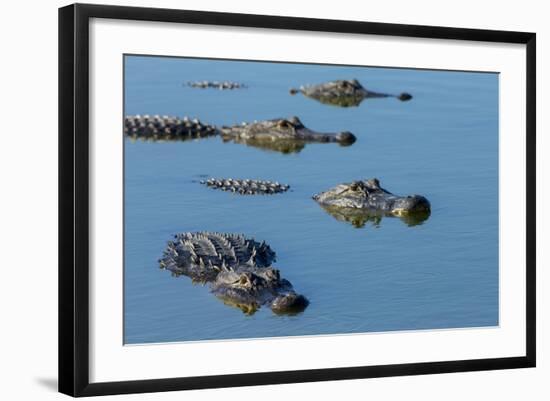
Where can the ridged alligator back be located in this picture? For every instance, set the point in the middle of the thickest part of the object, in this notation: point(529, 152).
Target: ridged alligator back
point(203, 255)
point(246, 187)
point(224, 85)
point(166, 128)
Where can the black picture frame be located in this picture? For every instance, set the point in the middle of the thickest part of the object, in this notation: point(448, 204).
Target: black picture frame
point(74, 194)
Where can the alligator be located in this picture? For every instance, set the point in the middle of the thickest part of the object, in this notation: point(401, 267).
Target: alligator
point(216, 85)
point(369, 197)
point(281, 131)
point(246, 187)
point(238, 269)
point(166, 128)
point(343, 93)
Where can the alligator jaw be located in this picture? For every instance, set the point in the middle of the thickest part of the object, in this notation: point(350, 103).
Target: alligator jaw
point(360, 217)
point(344, 138)
point(290, 303)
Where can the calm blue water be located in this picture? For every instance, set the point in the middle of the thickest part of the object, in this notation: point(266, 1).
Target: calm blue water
point(442, 144)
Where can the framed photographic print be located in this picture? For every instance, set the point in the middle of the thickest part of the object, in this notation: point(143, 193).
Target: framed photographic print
point(250, 199)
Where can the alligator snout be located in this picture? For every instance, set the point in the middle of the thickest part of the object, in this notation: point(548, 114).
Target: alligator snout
point(411, 204)
point(345, 138)
point(289, 303)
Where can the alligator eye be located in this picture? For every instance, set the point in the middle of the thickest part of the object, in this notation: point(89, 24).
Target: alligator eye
point(243, 280)
point(354, 186)
point(273, 274)
point(284, 124)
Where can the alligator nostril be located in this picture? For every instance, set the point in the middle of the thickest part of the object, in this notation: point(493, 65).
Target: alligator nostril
point(404, 97)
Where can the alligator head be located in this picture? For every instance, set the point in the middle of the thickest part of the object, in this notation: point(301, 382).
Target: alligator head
point(281, 131)
point(343, 93)
point(249, 288)
point(369, 197)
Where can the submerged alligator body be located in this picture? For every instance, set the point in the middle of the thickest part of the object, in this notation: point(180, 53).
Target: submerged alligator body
point(280, 134)
point(246, 187)
point(238, 269)
point(359, 218)
point(361, 201)
point(343, 93)
point(216, 85)
point(166, 128)
point(285, 146)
